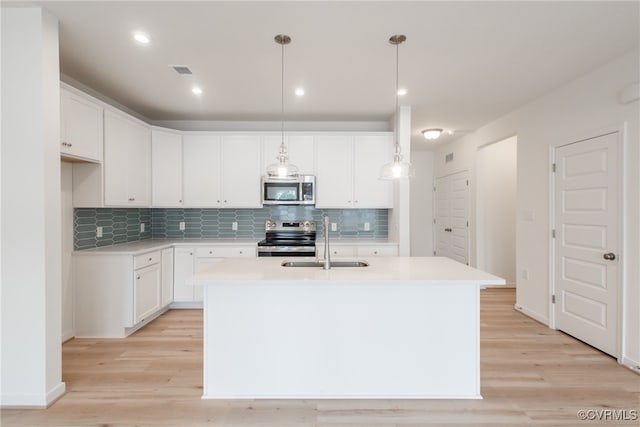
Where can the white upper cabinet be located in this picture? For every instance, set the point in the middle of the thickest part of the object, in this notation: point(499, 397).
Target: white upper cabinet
point(202, 171)
point(241, 171)
point(334, 171)
point(166, 168)
point(81, 127)
point(301, 152)
point(222, 171)
point(347, 170)
point(370, 153)
point(127, 162)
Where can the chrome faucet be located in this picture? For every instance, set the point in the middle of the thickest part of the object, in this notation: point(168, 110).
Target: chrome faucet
point(327, 251)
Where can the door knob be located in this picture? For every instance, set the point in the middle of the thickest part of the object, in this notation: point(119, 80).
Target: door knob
point(610, 256)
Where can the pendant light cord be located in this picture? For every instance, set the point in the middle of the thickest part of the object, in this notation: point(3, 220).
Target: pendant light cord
point(395, 113)
point(282, 99)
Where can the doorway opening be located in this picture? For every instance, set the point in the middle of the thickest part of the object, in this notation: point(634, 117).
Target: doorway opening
point(496, 208)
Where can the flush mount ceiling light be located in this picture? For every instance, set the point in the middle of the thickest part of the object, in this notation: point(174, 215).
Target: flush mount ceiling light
point(141, 37)
point(196, 90)
point(299, 91)
point(432, 134)
point(397, 169)
point(282, 169)
point(402, 92)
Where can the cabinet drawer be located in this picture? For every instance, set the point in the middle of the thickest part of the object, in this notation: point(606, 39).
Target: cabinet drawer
point(144, 260)
point(226, 252)
point(377, 251)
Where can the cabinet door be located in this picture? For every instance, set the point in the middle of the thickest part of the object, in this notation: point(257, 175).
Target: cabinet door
point(202, 176)
point(127, 163)
point(166, 169)
point(334, 171)
point(241, 171)
point(370, 153)
point(81, 127)
point(182, 272)
point(117, 140)
point(146, 292)
point(139, 165)
point(166, 294)
point(370, 251)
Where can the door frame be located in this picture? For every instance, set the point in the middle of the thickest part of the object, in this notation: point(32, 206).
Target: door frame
point(621, 130)
point(434, 209)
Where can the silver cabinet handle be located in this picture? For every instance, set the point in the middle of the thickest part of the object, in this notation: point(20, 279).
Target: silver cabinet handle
point(610, 256)
point(150, 259)
point(131, 199)
point(138, 278)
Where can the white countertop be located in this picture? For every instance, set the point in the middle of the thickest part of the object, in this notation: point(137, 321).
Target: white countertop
point(380, 269)
point(142, 246)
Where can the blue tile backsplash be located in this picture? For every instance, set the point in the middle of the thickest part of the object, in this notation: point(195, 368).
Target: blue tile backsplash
point(123, 225)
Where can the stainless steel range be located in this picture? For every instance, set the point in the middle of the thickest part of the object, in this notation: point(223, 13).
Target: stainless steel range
point(288, 238)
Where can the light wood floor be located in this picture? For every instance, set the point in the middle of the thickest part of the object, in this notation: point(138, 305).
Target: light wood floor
point(531, 375)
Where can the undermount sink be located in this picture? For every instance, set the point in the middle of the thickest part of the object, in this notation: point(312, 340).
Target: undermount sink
point(320, 264)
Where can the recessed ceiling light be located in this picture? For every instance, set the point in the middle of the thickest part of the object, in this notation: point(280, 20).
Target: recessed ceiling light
point(141, 37)
point(402, 92)
point(197, 90)
point(299, 91)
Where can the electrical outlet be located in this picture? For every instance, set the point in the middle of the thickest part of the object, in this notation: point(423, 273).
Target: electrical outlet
point(142, 227)
point(99, 232)
point(367, 226)
point(234, 226)
point(181, 226)
point(334, 226)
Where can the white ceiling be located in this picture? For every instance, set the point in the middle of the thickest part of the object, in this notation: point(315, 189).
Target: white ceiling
point(464, 63)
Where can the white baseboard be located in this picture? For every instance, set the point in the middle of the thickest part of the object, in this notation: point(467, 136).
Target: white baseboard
point(533, 314)
point(186, 304)
point(634, 365)
point(36, 401)
point(67, 335)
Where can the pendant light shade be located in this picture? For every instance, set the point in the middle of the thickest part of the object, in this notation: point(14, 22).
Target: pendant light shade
point(397, 169)
point(282, 169)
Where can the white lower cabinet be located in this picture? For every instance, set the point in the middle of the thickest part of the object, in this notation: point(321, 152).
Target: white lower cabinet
point(192, 260)
point(346, 251)
point(116, 294)
point(166, 293)
point(147, 290)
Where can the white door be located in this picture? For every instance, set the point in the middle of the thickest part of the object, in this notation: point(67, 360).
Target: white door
point(586, 243)
point(452, 217)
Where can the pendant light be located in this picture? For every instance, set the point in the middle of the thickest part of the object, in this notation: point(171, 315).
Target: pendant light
point(397, 169)
point(282, 169)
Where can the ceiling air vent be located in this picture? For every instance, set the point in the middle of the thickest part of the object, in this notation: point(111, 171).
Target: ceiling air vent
point(448, 158)
point(183, 70)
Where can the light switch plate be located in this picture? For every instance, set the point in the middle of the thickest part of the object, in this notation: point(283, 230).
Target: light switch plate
point(142, 227)
point(334, 226)
point(234, 226)
point(367, 226)
point(181, 226)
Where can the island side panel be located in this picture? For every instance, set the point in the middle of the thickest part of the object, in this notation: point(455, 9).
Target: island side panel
point(326, 339)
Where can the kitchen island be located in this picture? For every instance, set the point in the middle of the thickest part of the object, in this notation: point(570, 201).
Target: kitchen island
point(400, 328)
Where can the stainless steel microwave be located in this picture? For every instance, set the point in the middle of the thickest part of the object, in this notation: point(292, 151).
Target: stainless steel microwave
point(294, 191)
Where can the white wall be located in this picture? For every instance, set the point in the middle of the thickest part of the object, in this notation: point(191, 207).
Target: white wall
point(584, 106)
point(66, 182)
point(496, 209)
point(422, 204)
point(31, 263)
